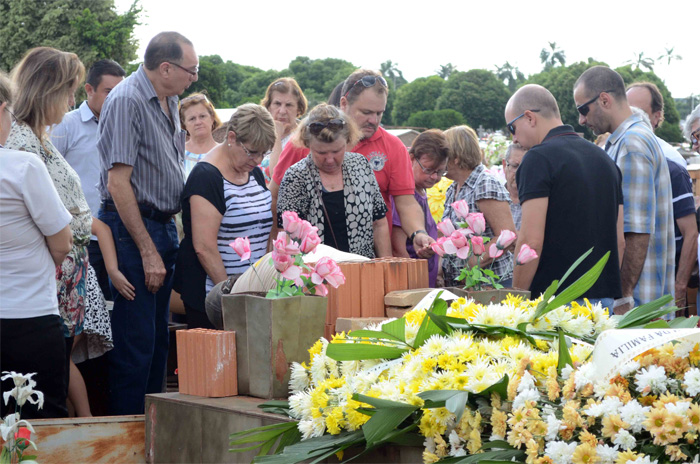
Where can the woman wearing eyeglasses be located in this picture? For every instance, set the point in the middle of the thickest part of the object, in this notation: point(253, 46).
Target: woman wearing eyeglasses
point(483, 193)
point(429, 158)
point(225, 197)
point(692, 129)
point(333, 189)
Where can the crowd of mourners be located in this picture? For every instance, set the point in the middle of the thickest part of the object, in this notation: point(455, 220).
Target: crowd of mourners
point(135, 194)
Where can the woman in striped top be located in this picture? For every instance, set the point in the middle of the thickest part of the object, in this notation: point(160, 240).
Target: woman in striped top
point(225, 197)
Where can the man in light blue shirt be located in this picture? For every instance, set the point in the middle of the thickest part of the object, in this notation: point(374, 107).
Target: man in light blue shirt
point(76, 139)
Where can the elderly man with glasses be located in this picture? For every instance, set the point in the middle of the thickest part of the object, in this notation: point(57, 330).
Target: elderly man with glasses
point(142, 146)
point(649, 259)
point(571, 197)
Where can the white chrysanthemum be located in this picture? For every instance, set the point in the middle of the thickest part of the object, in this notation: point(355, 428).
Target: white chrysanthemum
point(679, 407)
point(433, 346)
point(583, 374)
point(411, 332)
point(298, 379)
point(566, 372)
point(606, 324)
point(594, 410)
point(553, 427)
point(332, 367)
point(611, 405)
point(578, 326)
point(683, 348)
point(560, 451)
point(606, 454)
point(643, 460)
point(318, 369)
point(600, 389)
point(629, 368)
point(484, 316)
point(429, 444)
point(527, 382)
point(526, 395)
point(300, 406)
point(456, 445)
point(691, 380)
point(306, 428)
point(634, 414)
point(625, 439)
point(653, 377)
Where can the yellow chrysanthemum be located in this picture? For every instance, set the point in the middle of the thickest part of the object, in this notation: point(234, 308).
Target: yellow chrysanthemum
point(584, 454)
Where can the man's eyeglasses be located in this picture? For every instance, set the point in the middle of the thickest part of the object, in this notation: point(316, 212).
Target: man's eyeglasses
point(694, 137)
point(188, 71)
point(430, 172)
point(252, 154)
point(584, 108)
point(334, 125)
point(367, 81)
point(510, 125)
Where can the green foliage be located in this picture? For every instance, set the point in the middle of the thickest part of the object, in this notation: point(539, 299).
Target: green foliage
point(318, 78)
point(221, 80)
point(685, 105)
point(90, 28)
point(419, 95)
point(478, 95)
point(551, 56)
point(669, 130)
point(437, 119)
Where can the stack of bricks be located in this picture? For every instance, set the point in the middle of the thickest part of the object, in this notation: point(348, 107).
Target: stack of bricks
point(206, 362)
point(366, 283)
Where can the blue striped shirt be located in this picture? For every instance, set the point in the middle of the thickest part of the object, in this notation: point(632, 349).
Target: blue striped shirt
point(134, 130)
point(646, 187)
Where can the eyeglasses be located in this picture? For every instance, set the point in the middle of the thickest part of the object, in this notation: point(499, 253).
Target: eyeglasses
point(367, 81)
point(252, 154)
point(585, 108)
point(334, 125)
point(694, 136)
point(430, 172)
point(510, 125)
point(188, 71)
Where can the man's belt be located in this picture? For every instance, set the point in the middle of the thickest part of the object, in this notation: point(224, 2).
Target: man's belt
point(146, 212)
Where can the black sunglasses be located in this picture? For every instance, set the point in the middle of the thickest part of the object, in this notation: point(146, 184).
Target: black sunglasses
point(584, 108)
point(510, 125)
point(367, 81)
point(334, 125)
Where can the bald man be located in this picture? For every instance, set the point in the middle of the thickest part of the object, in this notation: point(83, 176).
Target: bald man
point(571, 197)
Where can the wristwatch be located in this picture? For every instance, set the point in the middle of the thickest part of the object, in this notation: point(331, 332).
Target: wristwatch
point(419, 231)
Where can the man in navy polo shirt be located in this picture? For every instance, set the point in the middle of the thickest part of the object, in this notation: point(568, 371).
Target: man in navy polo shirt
point(571, 198)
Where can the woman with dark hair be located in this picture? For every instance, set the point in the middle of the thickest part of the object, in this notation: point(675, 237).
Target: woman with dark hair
point(333, 189)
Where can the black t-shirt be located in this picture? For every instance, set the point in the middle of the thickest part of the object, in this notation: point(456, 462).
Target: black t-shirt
point(335, 206)
point(584, 187)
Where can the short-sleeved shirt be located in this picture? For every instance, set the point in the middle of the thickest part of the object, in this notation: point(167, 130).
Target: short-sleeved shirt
point(246, 211)
point(300, 192)
point(584, 192)
point(646, 186)
point(430, 228)
point(683, 201)
point(387, 156)
point(30, 210)
point(191, 159)
point(480, 185)
point(134, 130)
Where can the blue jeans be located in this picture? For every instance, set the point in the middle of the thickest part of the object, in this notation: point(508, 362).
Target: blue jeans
point(140, 327)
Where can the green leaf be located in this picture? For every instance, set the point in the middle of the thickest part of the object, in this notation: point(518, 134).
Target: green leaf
point(384, 421)
point(564, 356)
point(579, 287)
point(362, 351)
point(642, 315)
point(290, 437)
point(440, 322)
point(378, 402)
point(684, 322)
point(457, 403)
point(396, 329)
point(500, 456)
point(428, 328)
point(660, 324)
point(312, 448)
point(574, 266)
point(436, 398)
point(375, 335)
point(502, 444)
point(500, 387)
point(553, 287)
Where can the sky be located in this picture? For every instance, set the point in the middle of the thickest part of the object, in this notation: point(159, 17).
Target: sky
point(419, 36)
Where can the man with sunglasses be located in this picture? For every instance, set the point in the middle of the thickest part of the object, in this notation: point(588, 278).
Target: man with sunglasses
point(364, 97)
point(571, 198)
point(648, 262)
point(142, 150)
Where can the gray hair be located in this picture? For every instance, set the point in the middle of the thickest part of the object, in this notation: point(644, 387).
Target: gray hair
point(511, 147)
point(690, 120)
point(643, 114)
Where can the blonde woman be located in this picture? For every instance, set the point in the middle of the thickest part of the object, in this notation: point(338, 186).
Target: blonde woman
point(198, 117)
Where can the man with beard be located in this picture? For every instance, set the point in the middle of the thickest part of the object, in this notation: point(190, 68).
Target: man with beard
point(363, 99)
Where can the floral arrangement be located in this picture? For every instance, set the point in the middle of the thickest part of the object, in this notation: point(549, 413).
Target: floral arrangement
point(436, 198)
point(297, 239)
point(15, 431)
point(495, 151)
point(495, 383)
point(468, 240)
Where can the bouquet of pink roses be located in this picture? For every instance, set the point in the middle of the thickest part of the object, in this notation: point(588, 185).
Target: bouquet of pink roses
point(298, 238)
point(467, 239)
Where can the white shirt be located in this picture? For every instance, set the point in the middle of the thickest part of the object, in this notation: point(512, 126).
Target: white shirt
point(76, 139)
point(671, 153)
point(30, 209)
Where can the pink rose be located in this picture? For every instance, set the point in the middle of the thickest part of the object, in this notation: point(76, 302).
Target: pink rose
point(525, 255)
point(478, 245)
point(446, 227)
point(457, 244)
point(438, 246)
point(494, 251)
point(285, 265)
point(284, 245)
point(310, 242)
point(476, 222)
point(305, 228)
point(461, 208)
point(242, 247)
point(505, 239)
point(290, 222)
point(321, 290)
point(327, 269)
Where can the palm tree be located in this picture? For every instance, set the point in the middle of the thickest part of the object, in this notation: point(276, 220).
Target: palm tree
point(391, 70)
point(669, 56)
point(510, 74)
point(550, 57)
point(445, 70)
point(641, 61)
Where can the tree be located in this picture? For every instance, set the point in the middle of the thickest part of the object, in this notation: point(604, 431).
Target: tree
point(550, 57)
point(221, 81)
point(419, 95)
point(318, 78)
point(391, 71)
point(641, 61)
point(446, 70)
point(90, 28)
point(510, 75)
point(436, 119)
point(478, 95)
point(669, 56)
